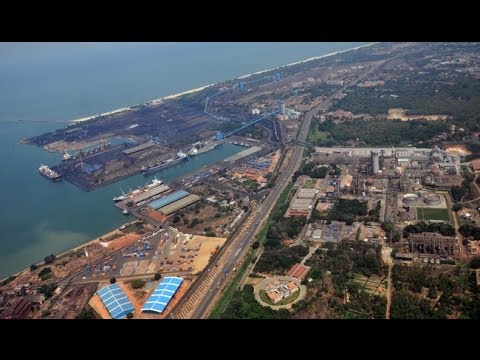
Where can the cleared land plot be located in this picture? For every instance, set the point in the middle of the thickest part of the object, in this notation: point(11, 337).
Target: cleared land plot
point(207, 245)
point(122, 241)
point(373, 285)
point(97, 305)
point(400, 114)
point(309, 184)
point(425, 214)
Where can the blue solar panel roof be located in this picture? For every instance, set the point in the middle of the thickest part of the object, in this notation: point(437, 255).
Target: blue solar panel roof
point(116, 301)
point(162, 295)
point(168, 199)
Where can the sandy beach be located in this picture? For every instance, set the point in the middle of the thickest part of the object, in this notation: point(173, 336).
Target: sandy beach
point(159, 100)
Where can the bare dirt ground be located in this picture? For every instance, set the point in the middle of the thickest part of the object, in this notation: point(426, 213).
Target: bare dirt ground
point(155, 215)
point(71, 301)
point(207, 215)
point(367, 84)
point(97, 305)
point(398, 113)
point(122, 241)
point(61, 146)
point(275, 159)
point(207, 244)
point(457, 150)
point(137, 297)
point(253, 281)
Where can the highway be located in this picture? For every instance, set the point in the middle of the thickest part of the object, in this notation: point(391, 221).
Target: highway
point(203, 293)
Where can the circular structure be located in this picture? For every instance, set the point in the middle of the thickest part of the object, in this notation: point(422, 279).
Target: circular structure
point(279, 292)
point(410, 199)
point(432, 199)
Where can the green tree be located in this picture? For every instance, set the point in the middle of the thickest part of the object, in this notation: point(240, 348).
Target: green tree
point(47, 290)
point(475, 262)
point(85, 314)
point(137, 283)
point(130, 315)
point(157, 276)
point(49, 259)
point(33, 267)
point(457, 207)
point(44, 271)
point(113, 280)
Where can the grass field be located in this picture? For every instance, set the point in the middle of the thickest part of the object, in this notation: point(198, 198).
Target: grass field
point(309, 184)
point(373, 285)
point(432, 214)
point(315, 135)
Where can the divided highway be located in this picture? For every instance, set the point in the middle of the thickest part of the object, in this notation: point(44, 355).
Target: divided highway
point(206, 289)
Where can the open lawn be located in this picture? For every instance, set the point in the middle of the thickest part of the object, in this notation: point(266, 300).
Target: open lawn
point(425, 214)
point(315, 136)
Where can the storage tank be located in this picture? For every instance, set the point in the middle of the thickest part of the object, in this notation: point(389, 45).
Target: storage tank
point(432, 199)
point(410, 199)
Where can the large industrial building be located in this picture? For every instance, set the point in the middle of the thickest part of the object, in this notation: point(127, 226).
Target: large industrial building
point(431, 243)
point(164, 201)
point(179, 204)
point(162, 295)
point(116, 301)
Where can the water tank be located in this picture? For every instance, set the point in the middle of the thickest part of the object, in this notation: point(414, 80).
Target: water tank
point(375, 162)
point(432, 199)
point(410, 199)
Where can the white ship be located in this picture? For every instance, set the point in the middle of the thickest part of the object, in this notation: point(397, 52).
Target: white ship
point(155, 182)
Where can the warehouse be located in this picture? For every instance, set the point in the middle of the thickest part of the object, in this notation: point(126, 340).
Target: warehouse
point(180, 204)
point(165, 200)
point(162, 295)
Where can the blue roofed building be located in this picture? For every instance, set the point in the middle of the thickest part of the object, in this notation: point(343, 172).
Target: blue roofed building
point(162, 295)
point(116, 301)
point(168, 199)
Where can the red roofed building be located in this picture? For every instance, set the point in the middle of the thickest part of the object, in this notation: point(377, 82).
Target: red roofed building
point(298, 271)
point(476, 165)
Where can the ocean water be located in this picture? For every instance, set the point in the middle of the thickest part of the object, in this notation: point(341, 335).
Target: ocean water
point(44, 84)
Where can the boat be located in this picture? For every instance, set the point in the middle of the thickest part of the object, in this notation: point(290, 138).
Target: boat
point(121, 197)
point(207, 147)
point(125, 211)
point(155, 182)
point(66, 156)
point(164, 164)
point(49, 173)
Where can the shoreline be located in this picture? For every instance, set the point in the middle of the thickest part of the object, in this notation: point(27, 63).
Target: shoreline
point(168, 97)
point(159, 100)
point(72, 250)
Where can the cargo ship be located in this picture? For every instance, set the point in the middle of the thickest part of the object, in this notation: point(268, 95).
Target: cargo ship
point(207, 147)
point(49, 173)
point(155, 182)
point(164, 164)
